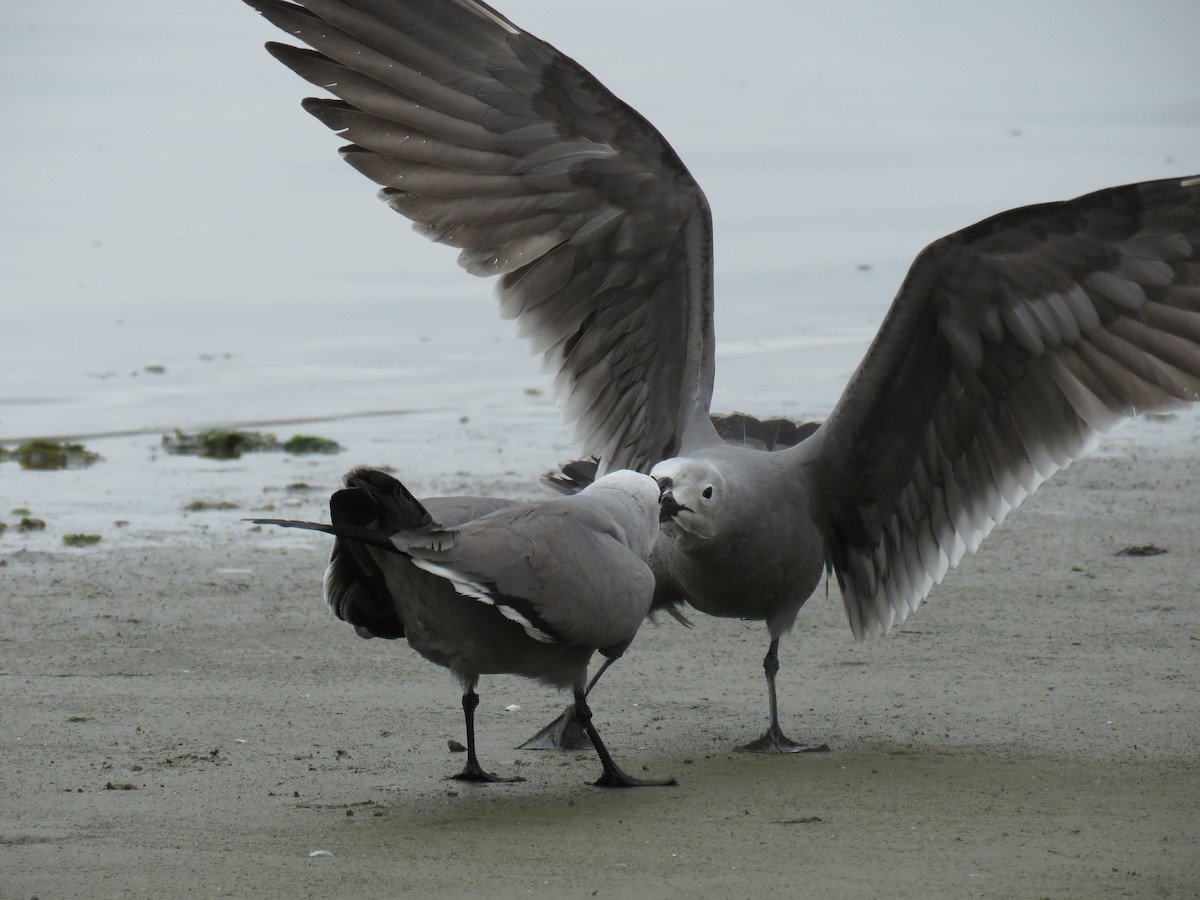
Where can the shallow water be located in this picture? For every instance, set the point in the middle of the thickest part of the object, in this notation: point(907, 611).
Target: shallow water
point(181, 247)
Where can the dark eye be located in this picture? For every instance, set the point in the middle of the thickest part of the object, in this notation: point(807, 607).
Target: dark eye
point(708, 492)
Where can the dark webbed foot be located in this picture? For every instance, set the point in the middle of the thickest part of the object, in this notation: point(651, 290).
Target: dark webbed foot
point(775, 741)
point(618, 779)
point(613, 775)
point(474, 773)
point(564, 733)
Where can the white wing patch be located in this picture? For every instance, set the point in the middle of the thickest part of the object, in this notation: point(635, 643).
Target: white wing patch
point(897, 574)
point(476, 591)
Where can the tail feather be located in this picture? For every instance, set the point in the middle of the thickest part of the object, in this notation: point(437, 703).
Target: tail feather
point(372, 497)
point(363, 535)
point(366, 513)
point(357, 592)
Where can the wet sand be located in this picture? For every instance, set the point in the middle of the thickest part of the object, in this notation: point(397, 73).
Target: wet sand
point(187, 719)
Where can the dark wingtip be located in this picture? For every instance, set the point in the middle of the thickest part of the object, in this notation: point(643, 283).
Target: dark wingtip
point(292, 56)
point(332, 114)
point(372, 495)
point(575, 475)
point(294, 523)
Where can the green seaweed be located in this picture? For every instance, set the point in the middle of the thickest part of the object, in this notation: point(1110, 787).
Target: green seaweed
point(49, 455)
point(205, 505)
point(29, 523)
point(217, 443)
point(81, 540)
point(223, 443)
point(305, 443)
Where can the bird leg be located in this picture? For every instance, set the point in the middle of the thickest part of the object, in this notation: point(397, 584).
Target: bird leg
point(773, 739)
point(473, 771)
point(613, 776)
point(565, 732)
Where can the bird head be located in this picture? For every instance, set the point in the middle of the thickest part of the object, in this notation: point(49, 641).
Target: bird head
point(691, 492)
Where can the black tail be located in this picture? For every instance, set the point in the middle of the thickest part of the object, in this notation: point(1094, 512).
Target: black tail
point(373, 502)
point(365, 513)
point(369, 509)
point(372, 497)
point(373, 536)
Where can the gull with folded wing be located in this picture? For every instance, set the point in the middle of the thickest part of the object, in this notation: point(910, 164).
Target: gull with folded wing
point(482, 585)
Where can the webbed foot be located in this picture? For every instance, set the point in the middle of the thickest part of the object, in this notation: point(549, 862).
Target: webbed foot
point(564, 733)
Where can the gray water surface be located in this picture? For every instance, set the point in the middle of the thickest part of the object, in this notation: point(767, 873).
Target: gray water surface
point(180, 245)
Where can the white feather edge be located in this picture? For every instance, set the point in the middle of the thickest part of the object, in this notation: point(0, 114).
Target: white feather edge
point(476, 591)
point(326, 584)
point(891, 604)
point(488, 14)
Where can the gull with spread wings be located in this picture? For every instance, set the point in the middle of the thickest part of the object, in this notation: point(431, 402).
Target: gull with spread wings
point(1011, 345)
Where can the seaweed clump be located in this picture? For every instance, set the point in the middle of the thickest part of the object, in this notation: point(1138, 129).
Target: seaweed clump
point(49, 455)
point(305, 443)
point(205, 505)
point(223, 443)
point(80, 540)
point(217, 443)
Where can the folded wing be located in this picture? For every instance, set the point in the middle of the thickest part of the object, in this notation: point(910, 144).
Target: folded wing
point(556, 568)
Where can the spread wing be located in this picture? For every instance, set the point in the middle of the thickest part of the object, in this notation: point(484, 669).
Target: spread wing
point(492, 141)
point(1010, 347)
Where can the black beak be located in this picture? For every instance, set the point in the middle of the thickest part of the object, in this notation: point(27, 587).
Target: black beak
point(668, 507)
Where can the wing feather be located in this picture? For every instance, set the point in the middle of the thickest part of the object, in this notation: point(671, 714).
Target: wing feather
point(493, 142)
point(1011, 346)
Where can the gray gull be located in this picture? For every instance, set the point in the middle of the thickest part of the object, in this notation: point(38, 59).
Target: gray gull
point(483, 585)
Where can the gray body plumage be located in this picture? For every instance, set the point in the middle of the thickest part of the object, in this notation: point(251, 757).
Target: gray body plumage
point(1011, 345)
point(442, 624)
point(489, 586)
point(722, 564)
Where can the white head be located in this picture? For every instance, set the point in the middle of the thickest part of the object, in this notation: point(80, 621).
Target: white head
point(638, 493)
point(692, 494)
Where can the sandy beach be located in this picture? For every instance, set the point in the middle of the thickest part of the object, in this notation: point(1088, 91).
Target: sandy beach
point(187, 719)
